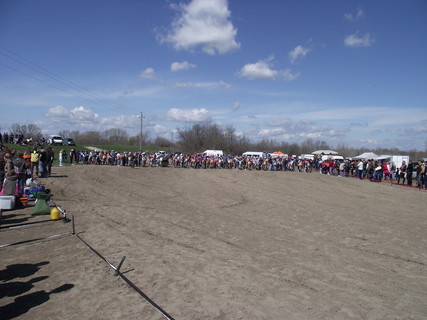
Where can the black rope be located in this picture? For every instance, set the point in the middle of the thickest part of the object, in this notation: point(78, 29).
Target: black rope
point(16, 226)
point(33, 240)
point(130, 283)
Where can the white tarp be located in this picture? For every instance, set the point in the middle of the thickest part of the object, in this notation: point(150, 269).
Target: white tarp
point(324, 152)
point(367, 156)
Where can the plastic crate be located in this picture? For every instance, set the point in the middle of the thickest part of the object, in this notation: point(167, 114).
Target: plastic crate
point(7, 202)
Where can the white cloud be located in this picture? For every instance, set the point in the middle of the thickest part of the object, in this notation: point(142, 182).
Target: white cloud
point(78, 114)
point(57, 112)
point(206, 85)
point(288, 129)
point(258, 70)
point(176, 114)
point(204, 24)
point(354, 40)
point(289, 76)
point(159, 129)
point(81, 118)
point(148, 74)
point(359, 14)
point(418, 129)
point(177, 66)
point(298, 52)
point(83, 114)
point(271, 132)
point(281, 122)
point(263, 69)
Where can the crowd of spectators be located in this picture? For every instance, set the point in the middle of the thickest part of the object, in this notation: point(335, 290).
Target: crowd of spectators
point(7, 137)
point(374, 170)
point(12, 138)
point(16, 167)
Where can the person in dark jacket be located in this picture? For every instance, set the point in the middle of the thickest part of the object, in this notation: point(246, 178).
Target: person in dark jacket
point(50, 158)
point(10, 182)
point(43, 163)
point(409, 172)
point(20, 167)
point(2, 172)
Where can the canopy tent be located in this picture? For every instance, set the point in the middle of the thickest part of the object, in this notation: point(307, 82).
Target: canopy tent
point(278, 154)
point(324, 152)
point(367, 156)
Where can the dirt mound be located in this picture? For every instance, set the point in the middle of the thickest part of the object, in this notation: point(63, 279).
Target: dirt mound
point(224, 244)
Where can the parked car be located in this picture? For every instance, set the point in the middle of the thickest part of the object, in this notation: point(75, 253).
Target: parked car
point(70, 142)
point(55, 140)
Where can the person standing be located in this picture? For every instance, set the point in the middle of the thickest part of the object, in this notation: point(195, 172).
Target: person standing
point(402, 172)
point(71, 156)
point(409, 172)
point(49, 162)
point(43, 163)
point(420, 174)
point(20, 168)
point(60, 157)
point(2, 170)
point(10, 181)
point(424, 175)
point(360, 167)
point(341, 169)
point(34, 161)
point(386, 170)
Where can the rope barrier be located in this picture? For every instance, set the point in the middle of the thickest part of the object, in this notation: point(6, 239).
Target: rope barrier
point(17, 226)
point(116, 269)
point(117, 272)
point(34, 240)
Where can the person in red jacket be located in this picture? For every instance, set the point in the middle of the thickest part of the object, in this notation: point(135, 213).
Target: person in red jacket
point(386, 170)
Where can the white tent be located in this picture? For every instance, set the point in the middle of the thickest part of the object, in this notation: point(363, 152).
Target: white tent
point(367, 156)
point(324, 152)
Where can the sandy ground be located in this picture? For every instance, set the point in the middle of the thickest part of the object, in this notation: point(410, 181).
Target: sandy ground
point(218, 244)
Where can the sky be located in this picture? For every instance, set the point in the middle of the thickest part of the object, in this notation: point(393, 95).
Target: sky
point(350, 73)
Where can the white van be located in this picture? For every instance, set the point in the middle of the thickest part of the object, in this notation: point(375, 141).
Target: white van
point(55, 140)
point(332, 157)
point(307, 156)
point(254, 154)
point(213, 153)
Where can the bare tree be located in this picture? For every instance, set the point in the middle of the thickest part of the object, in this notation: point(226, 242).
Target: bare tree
point(134, 141)
point(91, 138)
point(192, 139)
point(230, 138)
point(28, 131)
point(203, 135)
point(116, 136)
point(75, 135)
point(161, 142)
point(64, 134)
point(18, 129)
point(34, 132)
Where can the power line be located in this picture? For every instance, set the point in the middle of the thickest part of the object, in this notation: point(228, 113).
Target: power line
point(70, 86)
point(32, 77)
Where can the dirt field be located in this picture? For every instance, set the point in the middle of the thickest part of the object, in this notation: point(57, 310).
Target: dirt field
point(218, 244)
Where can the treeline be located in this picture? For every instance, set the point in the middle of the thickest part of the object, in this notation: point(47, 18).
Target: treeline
point(201, 136)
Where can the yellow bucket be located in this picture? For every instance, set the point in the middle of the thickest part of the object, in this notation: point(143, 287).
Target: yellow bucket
point(54, 214)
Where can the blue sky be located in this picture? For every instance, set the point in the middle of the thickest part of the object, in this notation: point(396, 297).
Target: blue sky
point(346, 72)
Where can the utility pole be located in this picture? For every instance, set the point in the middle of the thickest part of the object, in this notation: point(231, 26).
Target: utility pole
point(140, 135)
